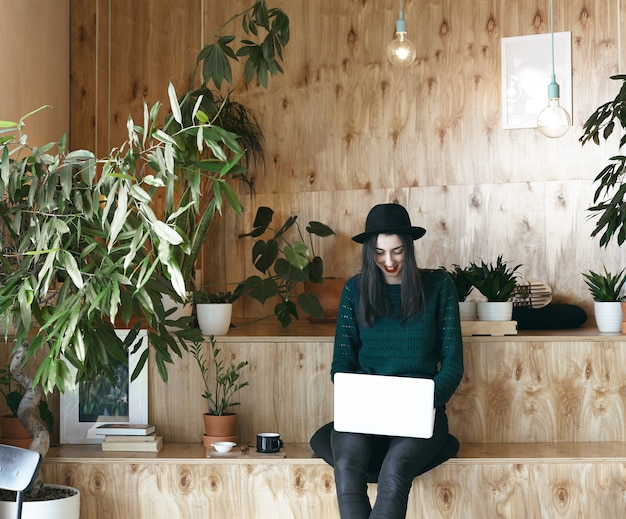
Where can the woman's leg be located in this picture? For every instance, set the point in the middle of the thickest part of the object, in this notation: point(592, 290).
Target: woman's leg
point(405, 459)
point(351, 453)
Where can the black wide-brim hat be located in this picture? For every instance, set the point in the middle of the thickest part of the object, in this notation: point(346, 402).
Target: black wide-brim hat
point(389, 219)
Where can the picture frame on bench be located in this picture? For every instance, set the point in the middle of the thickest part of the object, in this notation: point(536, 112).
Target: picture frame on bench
point(127, 402)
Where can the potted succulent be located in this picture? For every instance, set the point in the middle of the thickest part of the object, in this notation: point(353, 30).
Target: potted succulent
point(214, 309)
point(605, 288)
point(285, 262)
point(497, 283)
point(464, 280)
point(221, 384)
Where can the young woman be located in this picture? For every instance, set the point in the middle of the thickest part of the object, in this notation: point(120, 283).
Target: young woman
point(394, 319)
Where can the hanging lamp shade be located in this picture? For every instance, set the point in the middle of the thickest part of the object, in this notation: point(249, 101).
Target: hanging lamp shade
point(401, 51)
point(553, 121)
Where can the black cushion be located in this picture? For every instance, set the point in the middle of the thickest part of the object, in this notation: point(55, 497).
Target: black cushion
point(320, 443)
point(554, 316)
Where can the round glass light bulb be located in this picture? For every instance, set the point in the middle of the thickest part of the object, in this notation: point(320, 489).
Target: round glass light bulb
point(401, 51)
point(553, 121)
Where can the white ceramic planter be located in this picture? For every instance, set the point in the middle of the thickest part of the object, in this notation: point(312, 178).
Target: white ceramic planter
point(608, 316)
point(495, 310)
point(67, 508)
point(468, 310)
point(214, 318)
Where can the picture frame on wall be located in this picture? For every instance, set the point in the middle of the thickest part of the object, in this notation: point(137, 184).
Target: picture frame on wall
point(98, 401)
point(527, 72)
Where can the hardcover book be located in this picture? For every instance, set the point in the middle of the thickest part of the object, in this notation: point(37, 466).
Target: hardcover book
point(132, 446)
point(126, 429)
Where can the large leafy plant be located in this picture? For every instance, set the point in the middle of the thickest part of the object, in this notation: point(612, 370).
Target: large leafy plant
point(610, 196)
point(286, 259)
point(82, 245)
point(266, 34)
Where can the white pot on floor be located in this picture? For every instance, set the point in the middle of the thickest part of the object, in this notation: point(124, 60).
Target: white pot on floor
point(66, 508)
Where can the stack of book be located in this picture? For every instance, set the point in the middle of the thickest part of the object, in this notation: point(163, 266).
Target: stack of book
point(123, 437)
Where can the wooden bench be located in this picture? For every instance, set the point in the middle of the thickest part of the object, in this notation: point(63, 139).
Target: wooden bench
point(485, 480)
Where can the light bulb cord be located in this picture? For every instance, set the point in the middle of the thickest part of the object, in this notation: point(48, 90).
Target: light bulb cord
point(552, 31)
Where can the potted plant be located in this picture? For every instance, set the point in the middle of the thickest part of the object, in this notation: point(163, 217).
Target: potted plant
point(464, 280)
point(221, 384)
point(214, 309)
point(80, 249)
point(497, 283)
point(285, 262)
point(610, 195)
point(605, 288)
point(209, 100)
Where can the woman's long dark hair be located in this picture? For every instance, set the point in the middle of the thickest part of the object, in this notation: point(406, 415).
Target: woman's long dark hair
point(374, 300)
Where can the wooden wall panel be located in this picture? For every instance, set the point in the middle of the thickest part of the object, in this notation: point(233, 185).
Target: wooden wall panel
point(513, 390)
point(345, 130)
point(36, 66)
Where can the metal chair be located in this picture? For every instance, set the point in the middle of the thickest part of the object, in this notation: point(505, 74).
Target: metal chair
point(17, 470)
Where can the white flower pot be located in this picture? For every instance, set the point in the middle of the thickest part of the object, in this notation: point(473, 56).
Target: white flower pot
point(495, 310)
point(608, 316)
point(214, 318)
point(468, 310)
point(67, 508)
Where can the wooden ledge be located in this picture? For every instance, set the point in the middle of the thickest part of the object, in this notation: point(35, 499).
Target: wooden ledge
point(301, 454)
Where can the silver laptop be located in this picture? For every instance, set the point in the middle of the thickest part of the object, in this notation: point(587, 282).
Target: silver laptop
point(384, 405)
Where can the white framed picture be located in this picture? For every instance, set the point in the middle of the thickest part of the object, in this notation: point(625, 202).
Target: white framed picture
point(98, 401)
point(527, 72)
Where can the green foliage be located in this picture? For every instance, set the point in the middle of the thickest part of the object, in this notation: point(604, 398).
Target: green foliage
point(11, 390)
point(610, 196)
point(285, 263)
point(605, 286)
point(260, 55)
point(80, 248)
point(221, 383)
point(463, 278)
point(267, 33)
point(206, 297)
point(496, 282)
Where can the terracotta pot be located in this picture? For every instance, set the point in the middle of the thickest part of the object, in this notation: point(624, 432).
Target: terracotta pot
point(329, 294)
point(220, 426)
point(208, 440)
point(13, 429)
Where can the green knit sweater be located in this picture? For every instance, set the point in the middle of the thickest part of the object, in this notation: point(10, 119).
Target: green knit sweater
point(427, 346)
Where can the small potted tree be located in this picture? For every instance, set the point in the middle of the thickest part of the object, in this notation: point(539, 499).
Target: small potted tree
point(605, 288)
point(497, 283)
point(221, 384)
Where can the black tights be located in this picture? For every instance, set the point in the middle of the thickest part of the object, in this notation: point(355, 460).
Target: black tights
point(404, 459)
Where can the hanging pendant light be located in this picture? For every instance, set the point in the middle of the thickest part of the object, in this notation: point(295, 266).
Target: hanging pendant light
point(401, 51)
point(553, 121)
